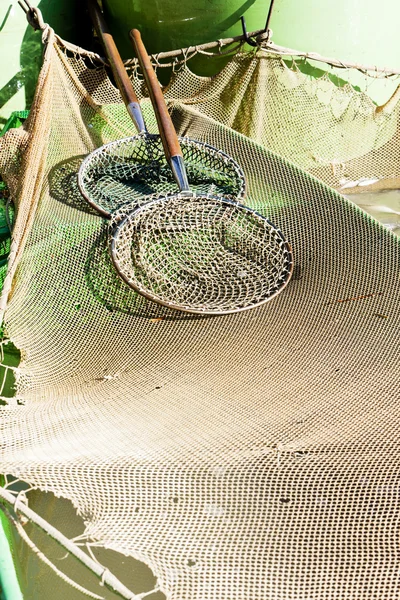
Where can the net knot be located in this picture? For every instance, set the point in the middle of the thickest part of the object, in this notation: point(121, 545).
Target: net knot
point(187, 54)
point(265, 37)
point(104, 574)
point(175, 64)
point(46, 32)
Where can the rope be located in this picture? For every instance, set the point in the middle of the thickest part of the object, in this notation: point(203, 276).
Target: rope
point(262, 37)
point(272, 48)
point(102, 572)
point(43, 557)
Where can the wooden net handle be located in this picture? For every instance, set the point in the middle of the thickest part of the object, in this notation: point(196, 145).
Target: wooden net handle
point(166, 128)
point(122, 80)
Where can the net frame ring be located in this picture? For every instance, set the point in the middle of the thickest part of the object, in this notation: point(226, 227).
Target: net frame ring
point(219, 161)
point(123, 259)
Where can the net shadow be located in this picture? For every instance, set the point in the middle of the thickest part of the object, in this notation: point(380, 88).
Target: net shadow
point(63, 184)
point(111, 291)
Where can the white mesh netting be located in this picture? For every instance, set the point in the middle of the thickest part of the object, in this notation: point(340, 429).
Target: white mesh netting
point(251, 456)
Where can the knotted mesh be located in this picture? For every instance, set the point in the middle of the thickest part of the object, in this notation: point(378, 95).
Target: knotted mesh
point(246, 456)
point(203, 254)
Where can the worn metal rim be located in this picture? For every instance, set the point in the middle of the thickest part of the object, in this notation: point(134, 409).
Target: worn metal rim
point(184, 141)
point(116, 231)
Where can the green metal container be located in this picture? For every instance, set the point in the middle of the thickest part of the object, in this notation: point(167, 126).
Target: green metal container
point(360, 31)
point(171, 24)
point(168, 25)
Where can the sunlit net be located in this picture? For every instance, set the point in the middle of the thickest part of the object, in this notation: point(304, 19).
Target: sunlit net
point(246, 456)
point(202, 254)
point(134, 168)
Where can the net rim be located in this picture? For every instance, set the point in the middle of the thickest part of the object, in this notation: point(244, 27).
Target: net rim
point(185, 141)
point(116, 231)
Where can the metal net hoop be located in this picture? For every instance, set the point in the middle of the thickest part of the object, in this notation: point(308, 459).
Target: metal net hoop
point(201, 254)
point(134, 168)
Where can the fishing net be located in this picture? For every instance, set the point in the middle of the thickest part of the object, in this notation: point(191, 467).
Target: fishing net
point(248, 456)
point(204, 254)
point(135, 168)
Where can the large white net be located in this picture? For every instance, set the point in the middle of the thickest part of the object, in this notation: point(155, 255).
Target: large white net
point(249, 456)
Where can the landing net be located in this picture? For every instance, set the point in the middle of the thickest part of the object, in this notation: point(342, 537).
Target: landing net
point(135, 168)
point(201, 254)
point(247, 456)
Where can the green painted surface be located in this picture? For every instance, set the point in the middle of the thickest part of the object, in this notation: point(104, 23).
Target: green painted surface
point(172, 24)
point(359, 31)
point(355, 30)
point(21, 47)
point(9, 585)
point(167, 25)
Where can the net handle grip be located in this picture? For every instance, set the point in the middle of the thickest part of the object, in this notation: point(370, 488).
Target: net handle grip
point(166, 128)
point(121, 77)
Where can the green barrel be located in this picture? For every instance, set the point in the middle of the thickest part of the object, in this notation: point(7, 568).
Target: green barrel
point(362, 32)
point(171, 24)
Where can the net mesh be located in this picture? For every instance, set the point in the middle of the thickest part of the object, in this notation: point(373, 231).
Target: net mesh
point(204, 254)
point(136, 168)
point(252, 455)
